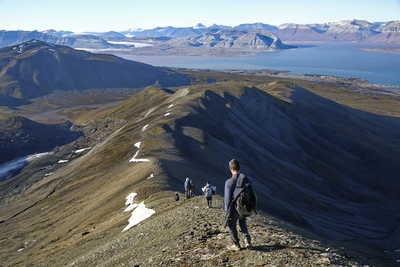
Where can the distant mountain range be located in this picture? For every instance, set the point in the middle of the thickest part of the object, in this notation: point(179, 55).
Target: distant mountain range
point(8, 38)
point(342, 31)
point(347, 30)
point(36, 68)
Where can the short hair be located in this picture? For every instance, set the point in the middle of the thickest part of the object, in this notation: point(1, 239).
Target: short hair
point(234, 165)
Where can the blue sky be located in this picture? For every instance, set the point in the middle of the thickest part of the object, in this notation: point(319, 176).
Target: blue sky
point(105, 15)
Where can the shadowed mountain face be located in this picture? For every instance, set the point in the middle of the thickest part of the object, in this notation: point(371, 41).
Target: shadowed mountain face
point(35, 68)
point(314, 162)
point(20, 137)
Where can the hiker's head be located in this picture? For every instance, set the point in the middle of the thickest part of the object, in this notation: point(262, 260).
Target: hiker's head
point(234, 166)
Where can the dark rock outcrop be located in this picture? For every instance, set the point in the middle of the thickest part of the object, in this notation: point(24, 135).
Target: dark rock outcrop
point(20, 136)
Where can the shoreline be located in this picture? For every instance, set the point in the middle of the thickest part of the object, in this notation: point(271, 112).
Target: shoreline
point(358, 83)
point(384, 50)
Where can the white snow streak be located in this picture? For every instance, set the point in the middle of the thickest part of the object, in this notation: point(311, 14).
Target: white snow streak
point(149, 112)
point(151, 176)
point(167, 114)
point(36, 156)
point(134, 158)
point(81, 150)
point(145, 127)
point(62, 161)
point(171, 106)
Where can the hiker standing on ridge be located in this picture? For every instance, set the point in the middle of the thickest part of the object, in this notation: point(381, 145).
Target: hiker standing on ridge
point(208, 191)
point(192, 189)
point(188, 188)
point(239, 202)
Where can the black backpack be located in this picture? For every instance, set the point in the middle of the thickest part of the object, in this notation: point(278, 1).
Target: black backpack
point(246, 200)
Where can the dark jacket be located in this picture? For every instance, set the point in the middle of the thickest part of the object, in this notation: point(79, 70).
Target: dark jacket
point(230, 192)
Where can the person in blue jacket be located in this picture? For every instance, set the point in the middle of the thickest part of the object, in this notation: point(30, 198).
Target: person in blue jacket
point(232, 215)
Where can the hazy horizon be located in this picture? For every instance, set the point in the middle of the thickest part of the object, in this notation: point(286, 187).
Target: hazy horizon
point(120, 15)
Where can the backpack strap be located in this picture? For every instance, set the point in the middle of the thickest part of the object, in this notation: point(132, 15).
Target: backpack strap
point(241, 180)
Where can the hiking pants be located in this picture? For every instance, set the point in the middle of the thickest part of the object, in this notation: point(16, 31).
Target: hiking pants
point(187, 194)
point(209, 201)
point(232, 222)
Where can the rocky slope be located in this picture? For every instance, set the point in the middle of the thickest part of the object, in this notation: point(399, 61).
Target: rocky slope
point(355, 30)
point(36, 68)
point(297, 33)
point(389, 33)
point(196, 237)
point(319, 164)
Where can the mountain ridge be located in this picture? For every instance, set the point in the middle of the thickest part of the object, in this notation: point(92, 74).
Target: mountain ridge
point(36, 68)
point(281, 130)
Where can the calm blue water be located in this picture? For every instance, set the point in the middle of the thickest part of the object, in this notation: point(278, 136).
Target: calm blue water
point(345, 60)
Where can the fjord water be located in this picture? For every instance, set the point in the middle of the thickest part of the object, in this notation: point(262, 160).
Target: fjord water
point(343, 60)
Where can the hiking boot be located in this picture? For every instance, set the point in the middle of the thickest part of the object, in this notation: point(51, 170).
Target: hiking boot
point(233, 247)
point(247, 243)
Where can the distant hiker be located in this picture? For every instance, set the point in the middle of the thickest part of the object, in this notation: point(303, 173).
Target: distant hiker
point(176, 196)
point(192, 189)
point(188, 188)
point(208, 191)
point(239, 202)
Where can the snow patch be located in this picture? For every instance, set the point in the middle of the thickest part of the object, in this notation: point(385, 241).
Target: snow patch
point(151, 176)
point(167, 114)
point(138, 144)
point(139, 214)
point(48, 174)
point(171, 106)
point(62, 161)
point(21, 249)
point(145, 127)
point(81, 150)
